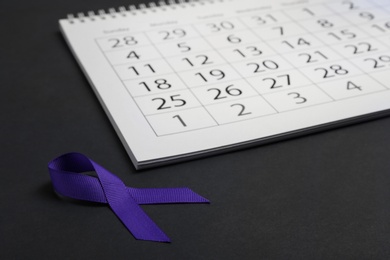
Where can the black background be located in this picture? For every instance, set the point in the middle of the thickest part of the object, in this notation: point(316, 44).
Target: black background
point(320, 196)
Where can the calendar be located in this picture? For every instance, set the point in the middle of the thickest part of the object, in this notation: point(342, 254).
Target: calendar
point(186, 79)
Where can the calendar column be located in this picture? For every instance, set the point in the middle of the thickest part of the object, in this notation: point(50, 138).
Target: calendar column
point(326, 65)
point(215, 81)
point(160, 94)
point(372, 54)
point(286, 88)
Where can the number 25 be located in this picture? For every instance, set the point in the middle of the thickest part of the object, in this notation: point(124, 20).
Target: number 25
point(174, 98)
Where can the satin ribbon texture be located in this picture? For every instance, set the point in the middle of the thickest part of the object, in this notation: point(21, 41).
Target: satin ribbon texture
point(67, 180)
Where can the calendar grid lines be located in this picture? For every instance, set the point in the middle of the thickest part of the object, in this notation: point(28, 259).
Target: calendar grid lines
point(341, 55)
point(308, 65)
point(388, 20)
point(188, 88)
point(172, 69)
point(230, 64)
point(236, 73)
point(227, 48)
point(235, 62)
point(276, 51)
point(268, 115)
point(363, 72)
point(122, 83)
point(249, 119)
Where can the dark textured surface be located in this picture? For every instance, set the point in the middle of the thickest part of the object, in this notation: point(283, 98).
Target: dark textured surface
point(322, 196)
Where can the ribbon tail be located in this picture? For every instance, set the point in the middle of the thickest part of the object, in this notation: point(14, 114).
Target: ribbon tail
point(165, 195)
point(127, 209)
point(137, 222)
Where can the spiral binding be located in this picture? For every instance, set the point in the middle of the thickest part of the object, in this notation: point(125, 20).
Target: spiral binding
point(123, 11)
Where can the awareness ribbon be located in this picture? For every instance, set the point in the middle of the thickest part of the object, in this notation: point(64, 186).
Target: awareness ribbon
point(67, 179)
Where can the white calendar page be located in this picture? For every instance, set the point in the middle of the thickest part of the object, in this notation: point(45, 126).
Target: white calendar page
point(197, 78)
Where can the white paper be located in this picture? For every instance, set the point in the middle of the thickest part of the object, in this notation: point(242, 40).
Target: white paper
point(197, 78)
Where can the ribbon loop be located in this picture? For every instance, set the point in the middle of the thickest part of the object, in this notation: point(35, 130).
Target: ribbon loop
point(65, 173)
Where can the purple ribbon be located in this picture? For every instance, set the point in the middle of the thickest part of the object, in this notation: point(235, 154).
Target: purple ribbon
point(65, 173)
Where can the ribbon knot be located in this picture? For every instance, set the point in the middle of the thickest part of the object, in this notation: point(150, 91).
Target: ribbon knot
point(67, 179)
